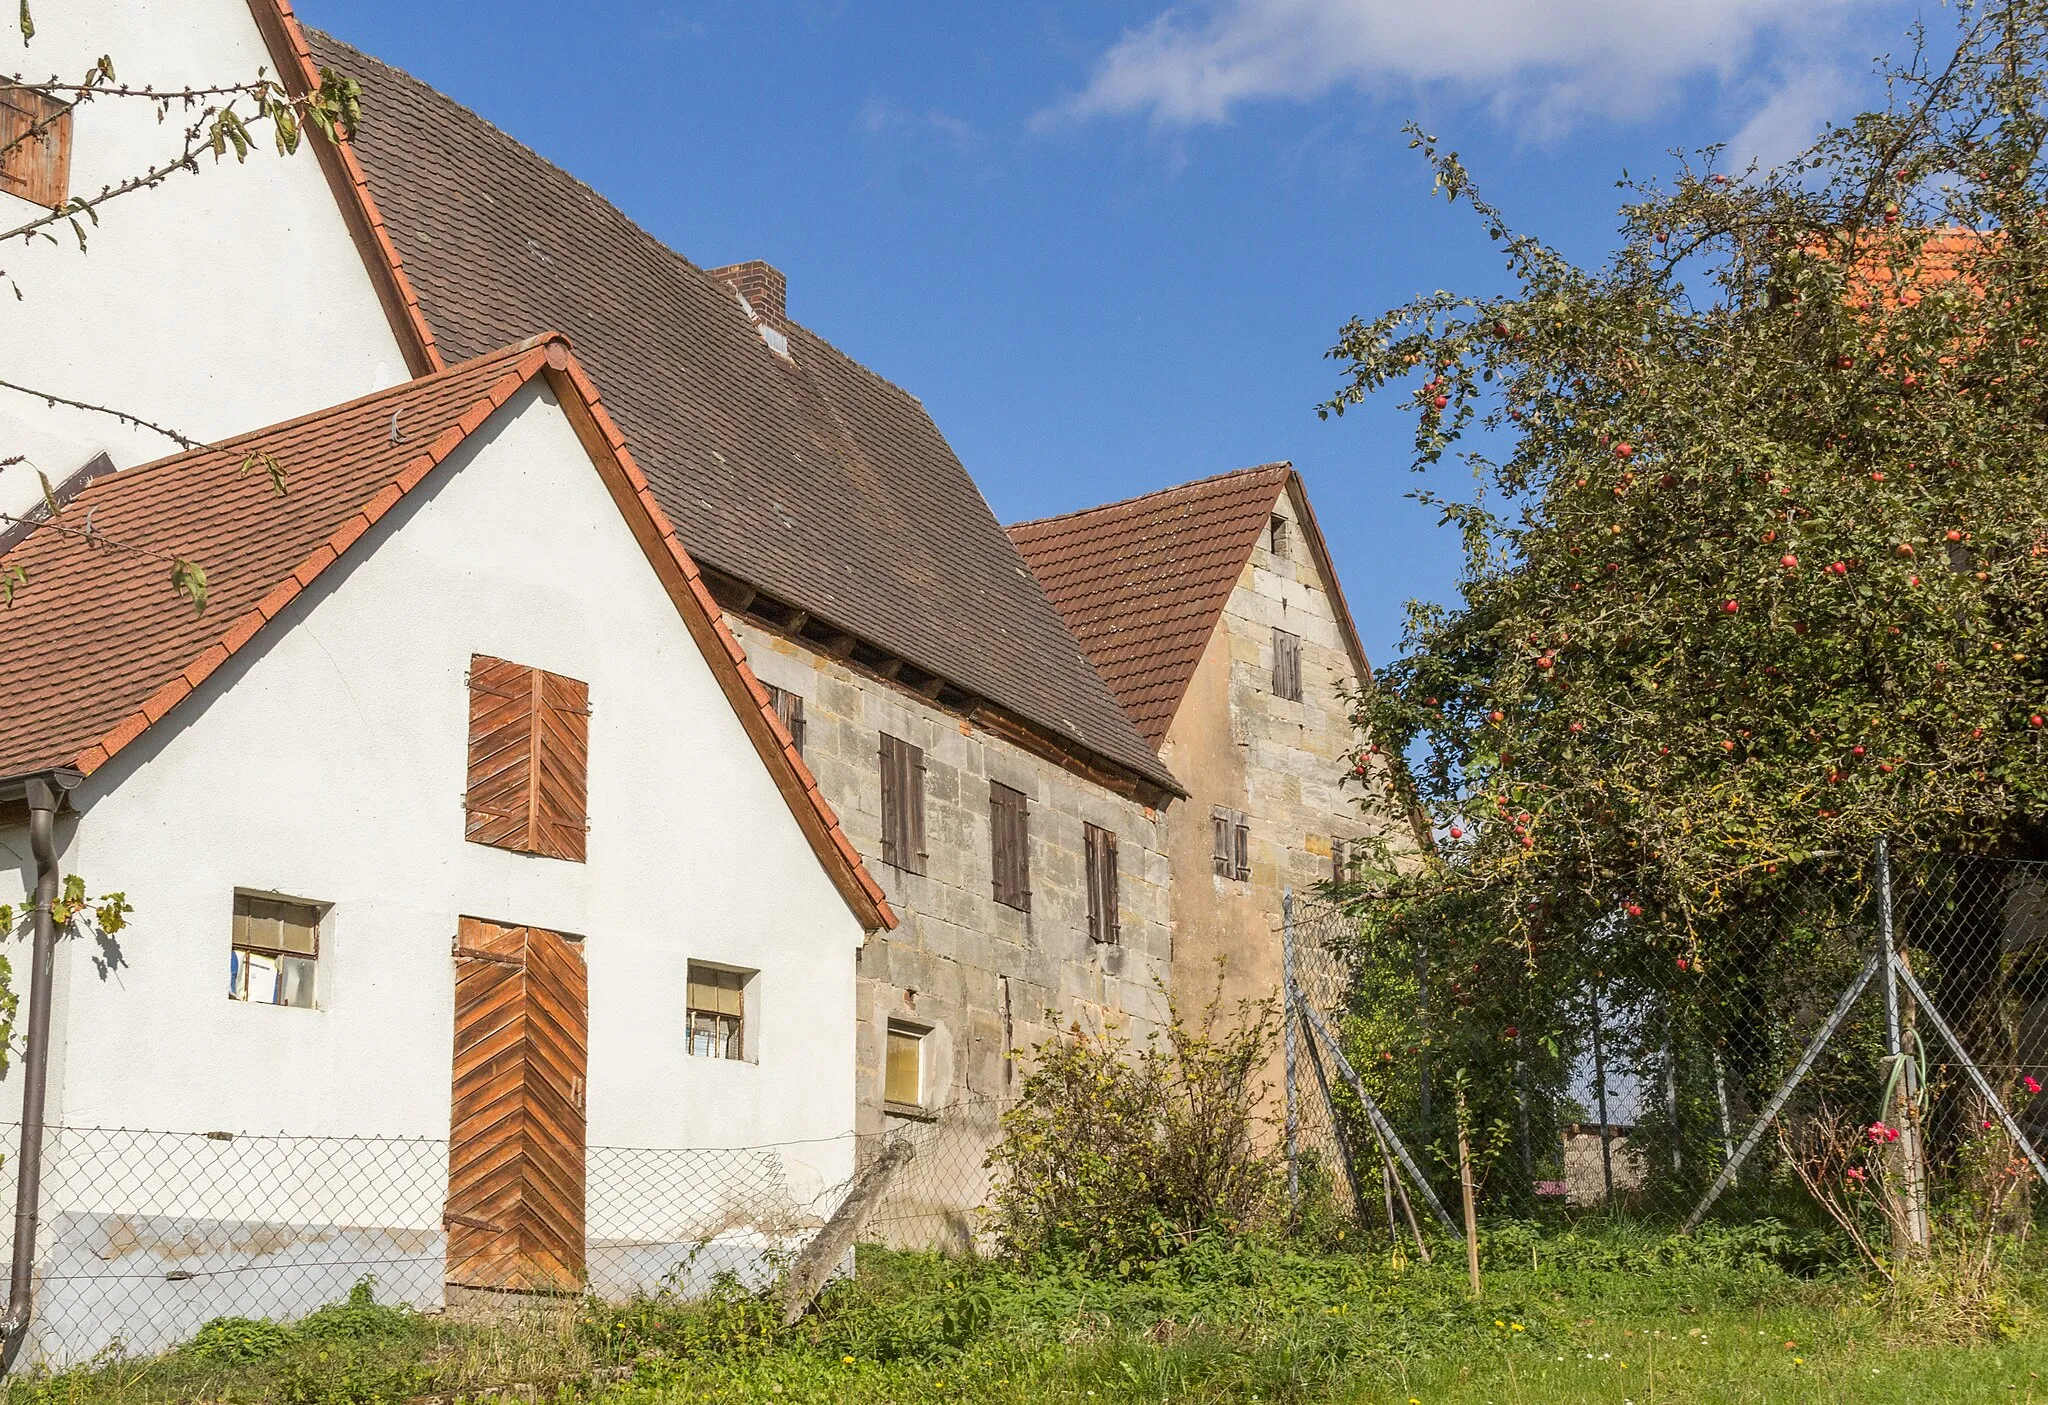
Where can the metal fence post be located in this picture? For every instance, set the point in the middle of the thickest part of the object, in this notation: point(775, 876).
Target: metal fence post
point(1600, 1092)
point(1900, 1071)
point(1289, 1024)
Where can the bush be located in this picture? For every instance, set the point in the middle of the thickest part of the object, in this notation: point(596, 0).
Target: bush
point(359, 1319)
point(238, 1341)
point(1123, 1153)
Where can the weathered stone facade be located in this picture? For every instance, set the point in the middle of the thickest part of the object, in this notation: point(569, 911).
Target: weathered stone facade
point(984, 979)
point(1235, 744)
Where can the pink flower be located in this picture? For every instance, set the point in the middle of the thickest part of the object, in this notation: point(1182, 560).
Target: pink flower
point(1881, 1133)
point(1987, 1126)
point(2029, 1084)
point(1856, 1173)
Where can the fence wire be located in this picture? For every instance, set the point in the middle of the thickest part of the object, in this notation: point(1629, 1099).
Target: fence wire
point(143, 1237)
point(1622, 1083)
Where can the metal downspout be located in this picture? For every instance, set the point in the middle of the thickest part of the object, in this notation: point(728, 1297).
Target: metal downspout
point(45, 795)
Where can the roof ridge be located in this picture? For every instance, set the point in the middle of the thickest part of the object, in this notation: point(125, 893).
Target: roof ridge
point(1275, 465)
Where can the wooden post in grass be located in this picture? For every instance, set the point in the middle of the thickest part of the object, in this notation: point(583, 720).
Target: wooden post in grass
point(1465, 1185)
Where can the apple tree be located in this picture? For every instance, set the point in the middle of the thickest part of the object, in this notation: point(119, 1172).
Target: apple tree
point(1757, 563)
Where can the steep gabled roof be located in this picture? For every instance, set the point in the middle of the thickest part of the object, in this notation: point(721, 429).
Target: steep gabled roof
point(805, 476)
point(97, 647)
point(1142, 582)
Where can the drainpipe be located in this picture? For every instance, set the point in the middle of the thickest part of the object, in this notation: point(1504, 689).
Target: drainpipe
point(45, 794)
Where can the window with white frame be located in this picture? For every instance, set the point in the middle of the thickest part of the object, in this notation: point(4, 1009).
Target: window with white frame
point(275, 953)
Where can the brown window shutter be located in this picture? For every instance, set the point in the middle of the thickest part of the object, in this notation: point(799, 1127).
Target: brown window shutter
point(1099, 846)
point(562, 768)
point(902, 805)
point(1220, 852)
point(789, 708)
point(1243, 847)
point(1286, 665)
point(1009, 820)
point(892, 802)
point(914, 786)
point(529, 747)
point(499, 806)
point(35, 146)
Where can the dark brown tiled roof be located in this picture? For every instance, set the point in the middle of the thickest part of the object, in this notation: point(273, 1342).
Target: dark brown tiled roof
point(810, 478)
point(1142, 582)
point(97, 647)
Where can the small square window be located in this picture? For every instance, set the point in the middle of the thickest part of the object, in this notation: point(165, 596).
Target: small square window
point(717, 1012)
point(275, 952)
point(903, 1071)
point(1278, 528)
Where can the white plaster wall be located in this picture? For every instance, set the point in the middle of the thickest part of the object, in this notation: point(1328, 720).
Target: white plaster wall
point(327, 763)
point(217, 302)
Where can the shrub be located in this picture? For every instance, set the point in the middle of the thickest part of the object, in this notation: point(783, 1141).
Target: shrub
point(360, 1318)
point(1123, 1153)
point(238, 1341)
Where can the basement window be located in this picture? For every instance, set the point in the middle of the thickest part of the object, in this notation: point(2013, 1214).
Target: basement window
point(717, 1012)
point(276, 951)
point(903, 1068)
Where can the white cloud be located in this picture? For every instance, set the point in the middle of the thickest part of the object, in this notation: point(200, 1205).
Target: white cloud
point(1548, 62)
point(880, 117)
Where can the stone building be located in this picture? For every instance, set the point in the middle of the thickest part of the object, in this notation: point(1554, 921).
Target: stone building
point(1213, 612)
point(980, 765)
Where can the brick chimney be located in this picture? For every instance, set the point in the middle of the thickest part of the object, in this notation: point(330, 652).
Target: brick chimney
point(762, 285)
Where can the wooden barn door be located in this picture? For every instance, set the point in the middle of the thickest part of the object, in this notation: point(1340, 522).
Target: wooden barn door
point(515, 1151)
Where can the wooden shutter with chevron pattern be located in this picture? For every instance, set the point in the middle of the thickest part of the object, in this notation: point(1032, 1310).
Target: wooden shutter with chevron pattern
point(529, 760)
point(515, 1213)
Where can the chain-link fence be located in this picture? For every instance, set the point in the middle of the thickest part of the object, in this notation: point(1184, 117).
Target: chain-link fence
point(1617, 1063)
point(143, 1237)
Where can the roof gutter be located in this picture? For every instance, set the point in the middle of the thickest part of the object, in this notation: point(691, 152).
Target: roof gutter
point(45, 794)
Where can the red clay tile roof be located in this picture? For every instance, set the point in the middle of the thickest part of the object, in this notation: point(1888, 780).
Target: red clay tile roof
point(1142, 582)
point(810, 478)
point(97, 647)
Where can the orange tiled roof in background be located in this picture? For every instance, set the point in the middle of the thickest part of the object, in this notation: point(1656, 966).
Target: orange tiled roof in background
point(98, 647)
point(1142, 582)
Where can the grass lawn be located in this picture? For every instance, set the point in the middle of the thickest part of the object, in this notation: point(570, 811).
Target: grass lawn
point(1611, 1317)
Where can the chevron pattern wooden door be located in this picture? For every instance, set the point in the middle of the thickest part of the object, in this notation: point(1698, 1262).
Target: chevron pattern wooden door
point(515, 1150)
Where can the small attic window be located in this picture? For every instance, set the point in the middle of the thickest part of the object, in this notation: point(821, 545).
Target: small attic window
point(1277, 531)
point(35, 146)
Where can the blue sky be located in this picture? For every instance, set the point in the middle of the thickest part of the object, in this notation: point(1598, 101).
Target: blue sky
point(1108, 243)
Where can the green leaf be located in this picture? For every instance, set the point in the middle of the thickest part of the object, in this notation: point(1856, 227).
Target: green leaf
point(12, 578)
point(188, 578)
point(268, 462)
point(28, 25)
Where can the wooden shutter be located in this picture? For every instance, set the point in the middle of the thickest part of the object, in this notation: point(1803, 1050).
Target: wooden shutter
point(1221, 861)
point(789, 707)
point(902, 805)
point(529, 760)
point(1241, 833)
point(1286, 665)
point(515, 1212)
point(35, 146)
point(1009, 824)
point(1100, 846)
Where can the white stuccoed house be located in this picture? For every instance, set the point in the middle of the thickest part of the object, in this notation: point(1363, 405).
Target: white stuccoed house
point(457, 815)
